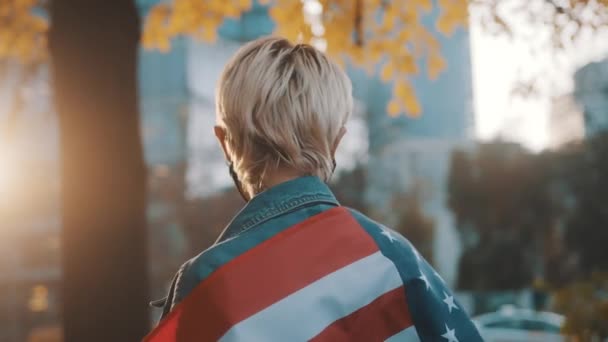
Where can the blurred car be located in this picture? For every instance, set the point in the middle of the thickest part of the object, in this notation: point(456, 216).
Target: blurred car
point(511, 324)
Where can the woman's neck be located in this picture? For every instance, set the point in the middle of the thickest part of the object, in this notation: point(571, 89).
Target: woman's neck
point(277, 177)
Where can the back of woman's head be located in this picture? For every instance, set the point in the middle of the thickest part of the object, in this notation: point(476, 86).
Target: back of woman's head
point(282, 107)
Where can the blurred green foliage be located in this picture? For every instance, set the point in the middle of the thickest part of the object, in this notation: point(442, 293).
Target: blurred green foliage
point(585, 304)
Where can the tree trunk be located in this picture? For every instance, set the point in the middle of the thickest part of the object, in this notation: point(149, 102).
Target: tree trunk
point(93, 46)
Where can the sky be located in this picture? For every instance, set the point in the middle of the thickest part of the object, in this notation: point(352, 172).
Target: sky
point(498, 62)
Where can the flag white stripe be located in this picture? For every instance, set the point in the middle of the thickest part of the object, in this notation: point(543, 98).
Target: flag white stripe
point(406, 335)
point(306, 312)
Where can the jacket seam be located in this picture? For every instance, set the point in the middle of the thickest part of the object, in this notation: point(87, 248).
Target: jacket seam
point(283, 208)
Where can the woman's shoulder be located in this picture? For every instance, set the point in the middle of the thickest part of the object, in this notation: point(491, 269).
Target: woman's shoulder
point(392, 244)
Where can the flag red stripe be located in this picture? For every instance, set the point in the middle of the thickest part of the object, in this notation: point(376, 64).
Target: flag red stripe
point(269, 272)
point(384, 317)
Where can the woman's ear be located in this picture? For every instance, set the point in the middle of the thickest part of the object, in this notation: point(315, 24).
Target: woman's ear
point(220, 134)
point(337, 141)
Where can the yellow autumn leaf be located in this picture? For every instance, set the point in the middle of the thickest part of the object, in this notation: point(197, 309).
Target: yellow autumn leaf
point(404, 35)
point(425, 5)
point(403, 90)
point(412, 106)
point(20, 4)
point(452, 16)
point(159, 13)
point(405, 94)
point(39, 24)
point(407, 65)
point(444, 25)
point(163, 45)
point(409, 15)
point(279, 14)
point(387, 72)
point(460, 12)
point(245, 4)
point(436, 66)
point(357, 55)
point(207, 35)
point(393, 108)
point(390, 17)
point(375, 54)
point(231, 11)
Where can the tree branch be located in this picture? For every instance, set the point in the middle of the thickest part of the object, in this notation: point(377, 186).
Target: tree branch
point(359, 23)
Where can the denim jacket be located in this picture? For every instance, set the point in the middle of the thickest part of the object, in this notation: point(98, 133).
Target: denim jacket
point(435, 314)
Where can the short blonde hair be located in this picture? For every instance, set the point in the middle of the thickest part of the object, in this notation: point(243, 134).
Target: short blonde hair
point(282, 105)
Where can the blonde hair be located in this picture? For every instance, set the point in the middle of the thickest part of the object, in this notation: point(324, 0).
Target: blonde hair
point(282, 105)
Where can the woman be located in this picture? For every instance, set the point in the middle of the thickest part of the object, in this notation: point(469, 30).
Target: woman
point(294, 265)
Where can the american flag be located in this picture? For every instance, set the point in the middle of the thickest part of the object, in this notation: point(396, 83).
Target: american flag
point(324, 279)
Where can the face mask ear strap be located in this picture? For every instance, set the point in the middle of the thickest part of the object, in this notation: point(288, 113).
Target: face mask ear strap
point(333, 169)
point(237, 182)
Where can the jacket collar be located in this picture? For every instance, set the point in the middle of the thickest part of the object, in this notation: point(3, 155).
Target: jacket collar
point(279, 200)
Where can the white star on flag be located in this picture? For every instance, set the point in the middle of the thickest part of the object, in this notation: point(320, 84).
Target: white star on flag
point(449, 301)
point(450, 334)
point(425, 280)
point(388, 235)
